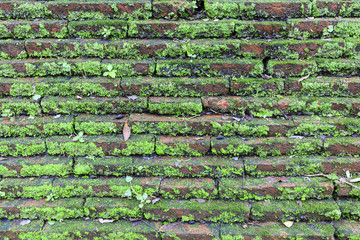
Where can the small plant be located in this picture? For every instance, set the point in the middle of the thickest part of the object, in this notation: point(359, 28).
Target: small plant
point(79, 137)
point(106, 32)
point(111, 72)
point(129, 192)
point(6, 113)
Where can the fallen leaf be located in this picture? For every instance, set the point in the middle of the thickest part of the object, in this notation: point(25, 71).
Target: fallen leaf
point(199, 200)
point(36, 97)
point(288, 223)
point(244, 226)
point(303, 78)
point(237, 119)
point(105, 220)
point(132, 97)
point(57, 116)
point(126, 132)
point(78, 98)
point(61, 220)
point(348, 175)
point(155, 200)
point(2, 158)
point(25, 222)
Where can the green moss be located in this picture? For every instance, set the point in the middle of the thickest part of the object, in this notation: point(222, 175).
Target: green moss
point(23, 188)
point(30, 11)
point(57, 146)
point(97, 128)
point(179, 106)
point(112, 29)
point(137, 145)
point(22, 147)
point(110, 166)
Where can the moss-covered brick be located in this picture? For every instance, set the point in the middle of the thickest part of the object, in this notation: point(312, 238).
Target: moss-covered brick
point(52, 210)
point(250, 29)
point(35, 127)
point(100, 145)
point(349, 209)
point(14, 230)
point(113, 208)
point(208, 68)
point(104, 187)
point(338, 67)
point(71, 229)
point(92, 10)
point(345, 190)
point(291, 68)
point(10, 107)
point(12, 50)
point(174, 87)
point(33, 29)
point(22, 147)
point(192, 210)
point(276, 188)
point(70, 105)
point(122, 49)
point(190, 231)
point(174, 9)
point(181, 29)
point(182, 146)
point(188, 167)
point(254, 86)
point(266, 146)
point(25, 188)
point(176, 125)
point(106, 29)
point(203, 188)
point(97, 125)
point(107, 166)
point(304, 211)
point(274, 230)
point(175, 106)
point(348, 230)
point(129, 68)
point(36, 167)
point(343, 146)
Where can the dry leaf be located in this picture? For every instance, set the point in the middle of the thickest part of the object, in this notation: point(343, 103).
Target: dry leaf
point(126, 132)
point(303, 78)
point(155, 200)
point(2, 158)
point(244, 226)
point(288, 223)
point(200, 200)
point(25, 222)
point(105, 220)
point(132, 97)
point(78, 98)
point(57, 116)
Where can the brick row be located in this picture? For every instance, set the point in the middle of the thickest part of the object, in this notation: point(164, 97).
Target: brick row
point(156, 230)
point(178, 146)
point(74, 11)
point(282, 188)
point(195, 48)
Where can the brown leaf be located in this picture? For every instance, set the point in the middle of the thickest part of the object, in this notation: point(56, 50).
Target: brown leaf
point(303, 78)
point(78, 98)
point(244, 226)
point(155, 200)
point(2, 158)
point(126, 131)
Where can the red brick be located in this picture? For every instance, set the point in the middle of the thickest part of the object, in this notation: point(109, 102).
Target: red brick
point(185, 231)
point(291, 68)
point(179, 146)
point(188, 188)
point(97, 125)
point(13, 49)
point(169, 9)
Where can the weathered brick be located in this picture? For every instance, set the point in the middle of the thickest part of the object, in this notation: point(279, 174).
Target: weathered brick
point(251, 29)
point(180, 29)
point(107, 166)
point(188, 188)
point(25, 188)
point(338, 67)
point(273, 230)
point(15, 230)
point(349, 209)
point(276, 188)
point(255, 86)
point(35, 127)
point(33, 29)
point(114, 208)
point(97, 105)
point(305, 211)
point(347, 230)
point(10, 107)
point(173, 9)
point(179, 146)
point(175, 106)
point(22, 147)
point(198, 210)
point(80, 229)
point(185, 231)
point(104, 187)
point(188, 167)
point(97, 125)
point(13, 49)
point(345, 190)
point(101, 145)
point(208, 68)
point(129, 68)
point(175, 87)
point(36, 166)
point(106, 29)
point(291, 68)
